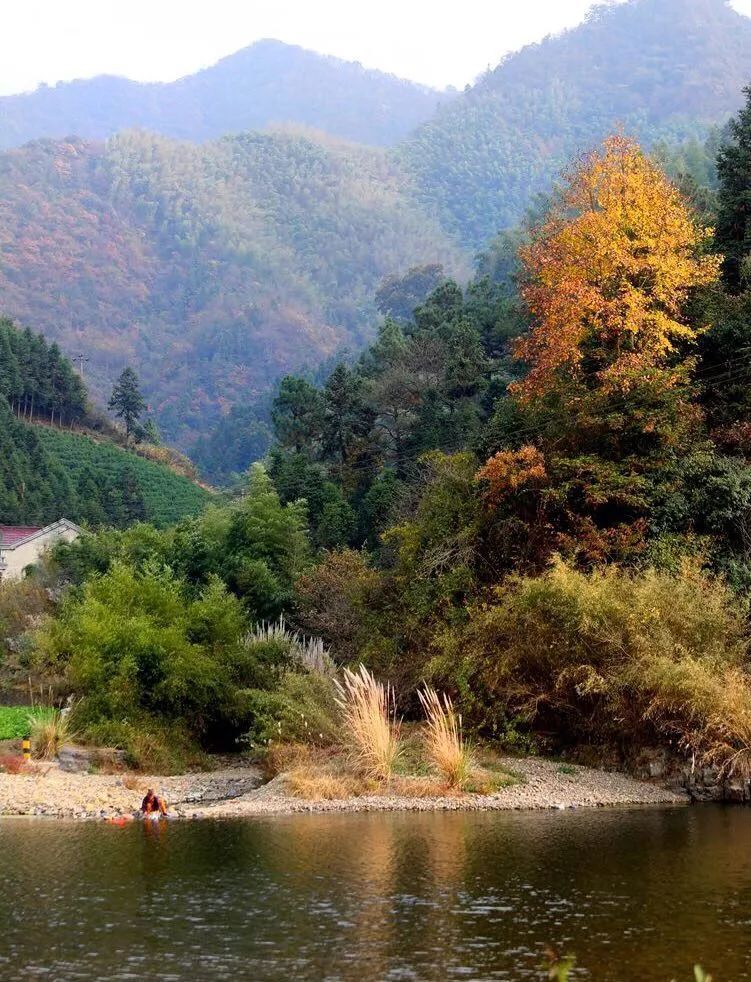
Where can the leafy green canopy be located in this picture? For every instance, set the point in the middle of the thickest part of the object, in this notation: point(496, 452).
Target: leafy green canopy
point(257, 546)
point(426, 383)
point(137, 643)
point(154, 640)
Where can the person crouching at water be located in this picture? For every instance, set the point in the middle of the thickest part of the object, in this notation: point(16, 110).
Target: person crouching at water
point(152, 805)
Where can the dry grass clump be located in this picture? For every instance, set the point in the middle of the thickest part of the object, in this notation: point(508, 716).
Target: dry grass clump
point(374, 756)
point(317, 774)
point(444, 741)
point(485, 781)
point(368, 715)
point(308, 654)
point(49, 733)
point(133, 783)
point(416, 786)
point(326, 783)
point(281, 757)
point(330, 774)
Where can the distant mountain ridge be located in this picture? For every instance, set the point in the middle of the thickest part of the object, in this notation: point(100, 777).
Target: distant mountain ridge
point(266, 83)
point(658, 69)
point(215, 268)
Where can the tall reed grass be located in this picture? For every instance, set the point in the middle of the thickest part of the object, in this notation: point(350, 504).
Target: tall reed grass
point(307, 653)
point(368, 713)
point(49, 733)
point(444, 741)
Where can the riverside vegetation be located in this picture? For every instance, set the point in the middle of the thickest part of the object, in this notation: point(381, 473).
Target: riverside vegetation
point(526, 504)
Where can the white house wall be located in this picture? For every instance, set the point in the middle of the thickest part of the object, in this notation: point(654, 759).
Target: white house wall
point(29, 553)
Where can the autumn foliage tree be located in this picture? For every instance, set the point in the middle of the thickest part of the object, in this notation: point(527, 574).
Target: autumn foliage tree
point(607, 274)
point(607, 391)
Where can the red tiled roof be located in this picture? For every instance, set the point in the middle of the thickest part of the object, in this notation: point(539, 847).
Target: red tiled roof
point(11, 534)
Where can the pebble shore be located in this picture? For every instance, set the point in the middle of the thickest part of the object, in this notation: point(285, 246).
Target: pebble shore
point(238, 792)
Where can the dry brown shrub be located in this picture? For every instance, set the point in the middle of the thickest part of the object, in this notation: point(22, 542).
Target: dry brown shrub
point(413, 786)
point(15, 764)
point(332, 601)
point(321, 784)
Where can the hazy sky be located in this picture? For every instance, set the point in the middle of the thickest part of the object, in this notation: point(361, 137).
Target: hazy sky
point(439, 42)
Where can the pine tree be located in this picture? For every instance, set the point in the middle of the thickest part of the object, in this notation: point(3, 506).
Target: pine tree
point(297, 413)
point(126, 401)
point(733, 232)
point(347, 421)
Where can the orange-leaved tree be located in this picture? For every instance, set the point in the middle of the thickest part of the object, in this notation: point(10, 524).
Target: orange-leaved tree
point(606, 275)
point(607, 394)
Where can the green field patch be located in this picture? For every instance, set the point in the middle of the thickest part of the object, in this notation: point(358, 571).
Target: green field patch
point(14, 721)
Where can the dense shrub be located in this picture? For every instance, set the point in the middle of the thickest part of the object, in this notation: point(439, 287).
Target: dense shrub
point(149, 745)
point(301, 709)
point(331, 601)
point(134, 643)
point(610, 656)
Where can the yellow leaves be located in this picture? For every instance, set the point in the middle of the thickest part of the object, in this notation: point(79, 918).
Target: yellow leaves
point(608, 272)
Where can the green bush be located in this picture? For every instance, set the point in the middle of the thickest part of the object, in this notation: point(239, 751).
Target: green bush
point(148, 746)
point(302, 709)
point(133, 643)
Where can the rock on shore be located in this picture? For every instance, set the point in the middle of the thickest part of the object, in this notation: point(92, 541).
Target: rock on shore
point(236, 792)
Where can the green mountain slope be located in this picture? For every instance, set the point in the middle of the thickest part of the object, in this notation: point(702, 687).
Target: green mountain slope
point(47, 472)
point(658, 69)
point(211, 269)
point(268, 82)
point(166, 497)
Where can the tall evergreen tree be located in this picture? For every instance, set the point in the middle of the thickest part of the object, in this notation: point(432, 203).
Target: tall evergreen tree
point(348, 421)
point(297, 413)
point(733, 232)
point(126, 401)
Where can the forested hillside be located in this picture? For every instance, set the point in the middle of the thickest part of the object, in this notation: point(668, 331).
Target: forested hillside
point(213, 269)
point(48, 471)
point(268, 82)
point(659, 69)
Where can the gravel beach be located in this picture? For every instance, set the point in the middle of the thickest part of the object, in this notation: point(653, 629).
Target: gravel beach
point(238, 792)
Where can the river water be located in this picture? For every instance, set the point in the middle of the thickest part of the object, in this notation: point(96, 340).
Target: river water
point(636, 894)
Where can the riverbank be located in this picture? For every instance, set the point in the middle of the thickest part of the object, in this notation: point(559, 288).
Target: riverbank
point(239, 792)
